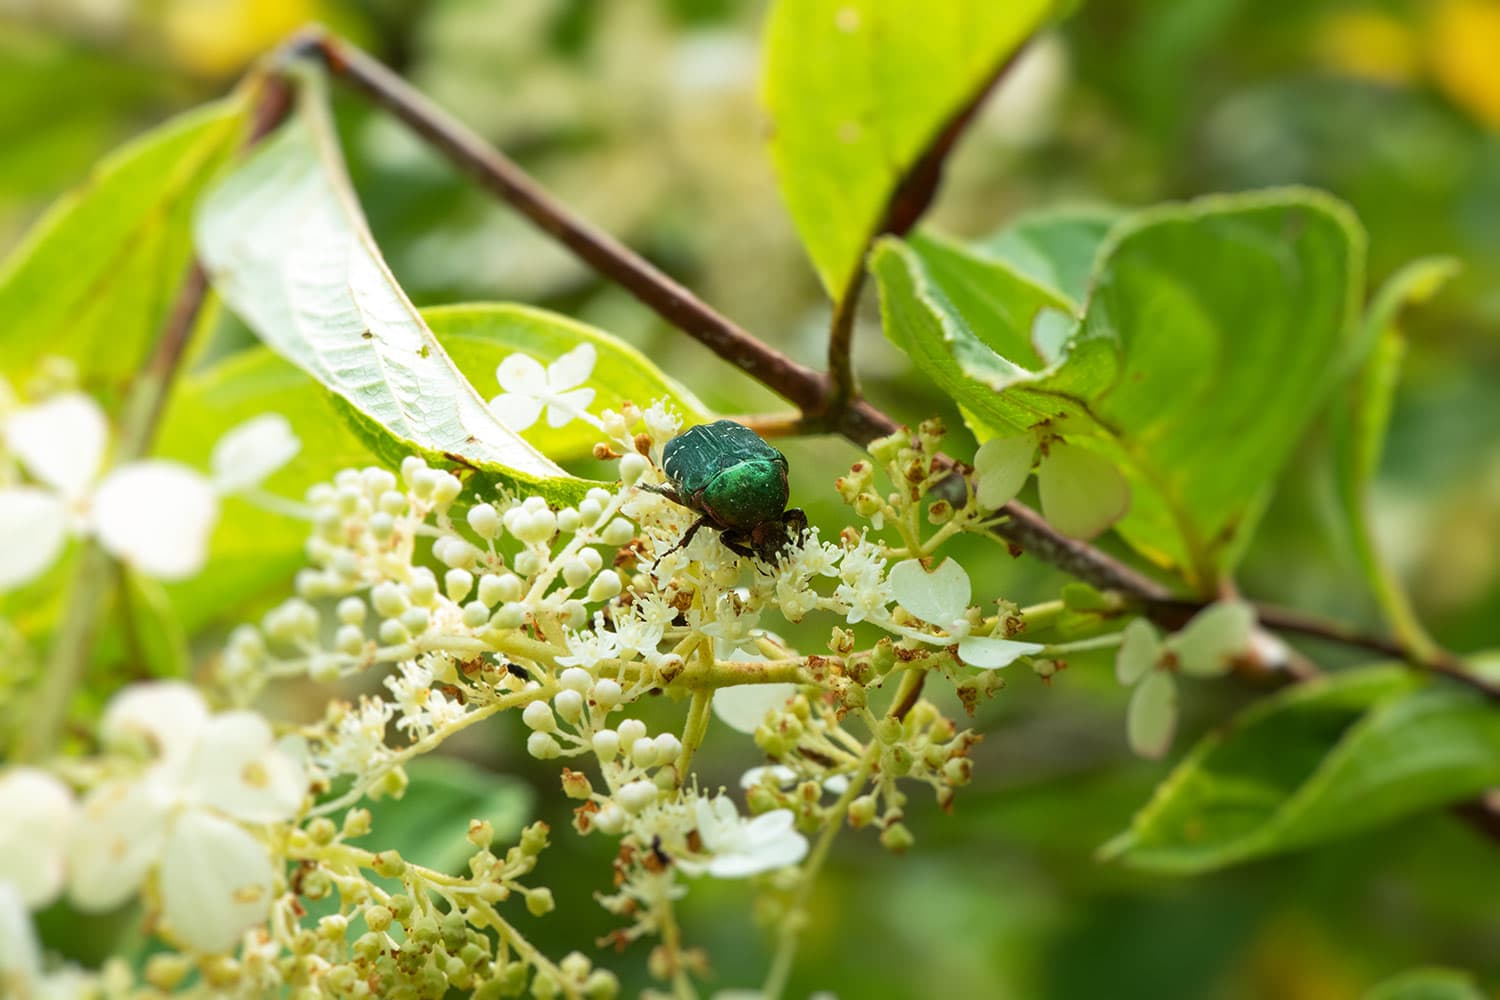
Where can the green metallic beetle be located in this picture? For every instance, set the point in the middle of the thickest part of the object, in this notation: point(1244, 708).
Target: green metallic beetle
point(737, 485)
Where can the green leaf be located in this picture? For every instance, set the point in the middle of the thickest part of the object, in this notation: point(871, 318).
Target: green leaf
point(478, 336)
point(154, 633)
point(95, 278)
point(1204, 353)
point(858, 90)
point(1359, 425)
point(1056, 249)
point(429, 824)
point(1428, 984)
point(288, 248)
point(1323, 760)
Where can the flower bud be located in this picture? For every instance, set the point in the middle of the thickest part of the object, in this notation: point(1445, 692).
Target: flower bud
point(352, 611)
point(636, 795)
point(897, 838)
point(527, 563)
point(575, 572)
point(392, 633)
point(569, 705)
point(576, 785)
point(391, 503)
point(630, 731)
point(568, 520)
point(632, 467)
point(382, 526)
point(422, 588)
point(349, 639)
point(484, 520)
point(607, 693)
point(476, 615)
point(576, 679)
point(542, 746)
point(415, 620)
point(862, 811)
point(446, 489)
point(667, 748)
point(589, 511)
point(511, 615)
point(606, 744)
point(617, 532)
point(539, 901)
point(643, 752)
point(538, 716)
point(457, 583)
point(605, 586)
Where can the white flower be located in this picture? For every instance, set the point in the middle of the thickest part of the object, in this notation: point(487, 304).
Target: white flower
point(247, 454)
point(357, 745)
point(1205, 647)
point(1082, 493)
point(21, 970)
point(185, 815)
point(586, 649)
point(529, 388)
point(739, 847)
point(154, 514)
point(941, 598)
point(39, 814)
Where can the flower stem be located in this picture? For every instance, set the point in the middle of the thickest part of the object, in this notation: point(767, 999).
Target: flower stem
point(694, 730)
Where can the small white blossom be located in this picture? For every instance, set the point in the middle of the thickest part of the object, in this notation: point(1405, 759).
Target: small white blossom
point(1205, 647)
point(357, 745)
point(587, 649)
point(183, 816)
point(530, 388)
point(941, 598)
point(739, 847)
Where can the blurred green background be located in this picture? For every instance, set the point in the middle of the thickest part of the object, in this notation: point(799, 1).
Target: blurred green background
point(643, 115)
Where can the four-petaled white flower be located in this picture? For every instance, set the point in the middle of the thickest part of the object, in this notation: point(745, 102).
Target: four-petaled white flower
point(211, 776)
point(153, 514)
point(739, 847)
point(40, 813)
point(1205, 647)
point(529, 388)
point(1082, 493)
point(941, 598)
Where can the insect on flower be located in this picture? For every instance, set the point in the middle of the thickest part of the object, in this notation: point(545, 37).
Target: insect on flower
point(737, 484)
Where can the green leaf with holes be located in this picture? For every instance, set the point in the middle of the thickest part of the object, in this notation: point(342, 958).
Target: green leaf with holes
point(1323, 760)
point(287, 246)
point(859, 91)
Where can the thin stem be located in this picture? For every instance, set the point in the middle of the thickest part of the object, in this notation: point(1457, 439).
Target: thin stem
point(695, 729)
point(841, 343)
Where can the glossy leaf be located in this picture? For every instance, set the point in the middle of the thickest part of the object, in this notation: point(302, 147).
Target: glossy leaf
point(287, 246)
point(479, 336)
point(858, 90)
point(1205, 351)
point(1359, 426)
point(1056, 249)
point(1320, 761)
point(96, 277)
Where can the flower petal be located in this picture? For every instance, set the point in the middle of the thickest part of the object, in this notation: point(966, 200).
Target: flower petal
point(20, 952)
point(781, 776)
point(247, 454)
point(165, 715)
point(564, 407)
point(1000, 468)
point(1140, 651)
point(1152, 717)
point(237, 768)
point(523, 374)
point(1208, 644)
point(516, 410)
point(572, 368)
point(939, 597)
point(119, 837)
point(33, 528)
point(61, 441)
point(40, 814)
point(157, 516)
point(216, 882)
point(744, 706)
point(987, 653)
point(1082, 493)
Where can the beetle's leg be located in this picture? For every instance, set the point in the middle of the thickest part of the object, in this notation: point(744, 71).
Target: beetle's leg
point(665, 490)
point(682, 543)
point(739, 543)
